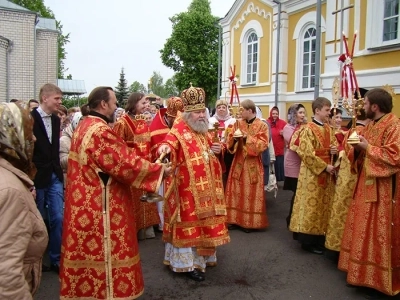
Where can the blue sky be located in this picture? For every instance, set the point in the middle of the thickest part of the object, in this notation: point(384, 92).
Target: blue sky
point(107, 35)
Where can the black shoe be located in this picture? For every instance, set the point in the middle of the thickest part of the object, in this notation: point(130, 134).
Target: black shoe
point(55, 268)
point(45, 268)
point(156, 229)
point(232, 226)
point(373, 294)
point(196, 275)
point(312, 249)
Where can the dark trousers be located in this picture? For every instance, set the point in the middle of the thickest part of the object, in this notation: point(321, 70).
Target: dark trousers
point(50, 203)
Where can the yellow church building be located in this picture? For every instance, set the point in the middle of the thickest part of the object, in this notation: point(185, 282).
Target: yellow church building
point(249, 42)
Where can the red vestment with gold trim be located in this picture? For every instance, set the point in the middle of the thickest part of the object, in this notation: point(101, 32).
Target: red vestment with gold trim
point(100, 255)
point(136, 134)
point(370, 251)
point(158, 131)
point(194, 210)
point(245, 196)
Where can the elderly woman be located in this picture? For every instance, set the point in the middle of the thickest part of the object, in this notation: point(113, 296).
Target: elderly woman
point(23, 235)
point(65, 143)
point(118, 113)
point(224, 119)
point(221, 116)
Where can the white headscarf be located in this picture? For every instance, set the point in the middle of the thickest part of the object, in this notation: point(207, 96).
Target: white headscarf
point(75, 120)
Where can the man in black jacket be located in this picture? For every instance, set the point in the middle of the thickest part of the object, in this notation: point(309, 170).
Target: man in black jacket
point(49, 176)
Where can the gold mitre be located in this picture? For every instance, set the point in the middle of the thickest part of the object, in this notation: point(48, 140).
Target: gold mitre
point(193, 98)
point(174, 104)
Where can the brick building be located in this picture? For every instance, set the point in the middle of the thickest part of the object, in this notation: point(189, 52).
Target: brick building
point(28, 52)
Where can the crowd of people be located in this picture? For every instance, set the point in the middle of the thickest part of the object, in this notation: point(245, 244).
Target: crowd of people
point(102, 178)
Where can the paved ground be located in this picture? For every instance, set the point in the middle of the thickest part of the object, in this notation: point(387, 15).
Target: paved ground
point(254, 266)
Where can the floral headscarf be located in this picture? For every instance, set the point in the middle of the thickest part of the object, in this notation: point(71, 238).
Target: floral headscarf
point(16, 137)
point(292, 114)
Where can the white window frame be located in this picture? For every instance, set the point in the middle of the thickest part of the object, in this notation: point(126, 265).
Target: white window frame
point(306, 22)
point(374, 30)
point(309, 40)
point(252, 26)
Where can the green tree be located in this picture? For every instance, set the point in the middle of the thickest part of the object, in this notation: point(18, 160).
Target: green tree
point(136, 86)
point(121, 90)
point(170, 87)
point(74, 101)
point(39, 7)
point(62, 54)
point(157, 85)
point(192, 49)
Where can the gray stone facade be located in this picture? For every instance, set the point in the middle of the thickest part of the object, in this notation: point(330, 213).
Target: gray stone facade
point(3, 67)
point(46, 58)
point(30, 57)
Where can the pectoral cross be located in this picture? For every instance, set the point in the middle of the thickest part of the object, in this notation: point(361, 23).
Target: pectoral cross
point(215, 132)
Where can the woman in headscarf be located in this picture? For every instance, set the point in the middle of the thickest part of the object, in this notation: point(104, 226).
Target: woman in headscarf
point(296, 118)
point(225, 120)
point(277, 125)
point(222, 116)
point(23, 235)
point(65, 142)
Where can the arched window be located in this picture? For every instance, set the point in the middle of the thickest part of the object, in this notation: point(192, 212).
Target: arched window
point(391, 22)
point(308, 58)
point(251, 58)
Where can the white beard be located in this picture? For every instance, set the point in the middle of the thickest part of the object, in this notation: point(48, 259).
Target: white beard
point(200, 126)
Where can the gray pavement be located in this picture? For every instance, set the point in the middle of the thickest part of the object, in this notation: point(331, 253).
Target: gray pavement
point(254, 266)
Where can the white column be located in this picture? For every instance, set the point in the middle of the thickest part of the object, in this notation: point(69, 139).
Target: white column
point(283, 55)
point(226, 59)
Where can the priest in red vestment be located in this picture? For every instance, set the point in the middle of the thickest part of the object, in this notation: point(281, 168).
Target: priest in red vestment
point(161, 125)
point(245, 196)
point(194, 209)
point(133, 129)
point(370, 250)
point(100, 255)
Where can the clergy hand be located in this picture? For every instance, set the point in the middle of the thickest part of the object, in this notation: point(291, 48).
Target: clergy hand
point(167, 171)
point(216, 148)
point(164, 149)
point(334, 150)
point(330, 169)
point(362, 145)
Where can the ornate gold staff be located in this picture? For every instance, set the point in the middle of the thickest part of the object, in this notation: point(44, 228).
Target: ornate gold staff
point(335, 101)
point(349, 87)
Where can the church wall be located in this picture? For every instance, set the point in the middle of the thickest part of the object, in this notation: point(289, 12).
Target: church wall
point(46, 58)
point(3, 70)
point(260, 14)
point(292, 47)
point(374, 67)
point(19, 29)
